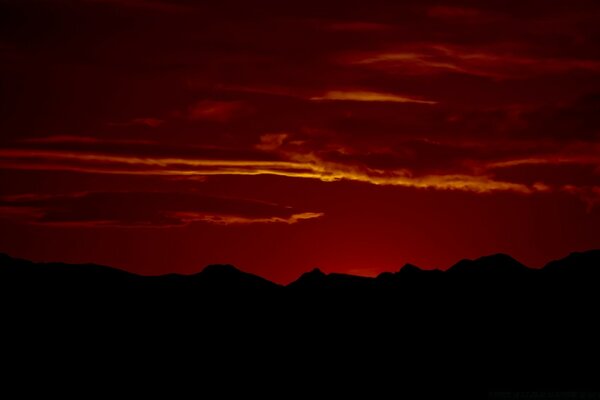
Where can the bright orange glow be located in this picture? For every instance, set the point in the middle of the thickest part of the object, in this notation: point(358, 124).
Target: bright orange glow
point(369, 96)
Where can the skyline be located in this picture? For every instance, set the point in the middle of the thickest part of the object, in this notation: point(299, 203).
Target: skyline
point(162, 136)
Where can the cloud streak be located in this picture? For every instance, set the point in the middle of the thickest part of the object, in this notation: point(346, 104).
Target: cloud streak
point(546, 160)
point(220, 111)
point(297, 165)
point(145, 210)
point(341, 95)
point(437, 58)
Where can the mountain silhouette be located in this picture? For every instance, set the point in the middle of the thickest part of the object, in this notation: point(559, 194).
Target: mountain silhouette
point(313, 279)
point(410, 269)
point(585, 263)
point(496, 264)
point(490, 322)
point(227, 277)
point(316, 280)
point(219, 278)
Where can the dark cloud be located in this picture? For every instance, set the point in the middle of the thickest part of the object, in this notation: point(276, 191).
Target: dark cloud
point(578, 120)
point(555, 175)
point(386, 92)
point(220, 111)
point(145, 209)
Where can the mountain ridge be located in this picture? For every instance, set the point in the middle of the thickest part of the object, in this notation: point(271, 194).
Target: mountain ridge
point(532, 324)
point(493, 265)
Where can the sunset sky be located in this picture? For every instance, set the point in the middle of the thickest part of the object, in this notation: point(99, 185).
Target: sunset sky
point(160, 136)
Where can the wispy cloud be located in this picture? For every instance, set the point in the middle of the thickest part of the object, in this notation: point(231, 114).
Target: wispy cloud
point(221, 111)
point(297, 165)
point(152, 5)
point(149, 122)
point(546, 160)
point(357, 26)
point(145, 210)
point(86, 140)
point(434, 58)
point(589, 194)
point(353, 95)
point(453, 12)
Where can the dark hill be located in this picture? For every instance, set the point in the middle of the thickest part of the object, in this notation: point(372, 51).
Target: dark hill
point(227, 277)
point(318, 281)
point(585, 264)
point(484, 323)
point(60, 277)
point(496, 264)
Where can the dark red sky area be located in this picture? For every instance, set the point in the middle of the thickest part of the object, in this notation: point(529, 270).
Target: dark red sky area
point(162, 135)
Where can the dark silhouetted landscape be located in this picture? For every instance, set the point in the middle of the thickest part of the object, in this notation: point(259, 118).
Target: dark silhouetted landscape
point(491, 278)
point(159, 138)
point(502, 322)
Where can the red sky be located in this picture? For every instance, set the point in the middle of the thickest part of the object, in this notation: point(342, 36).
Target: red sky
point(162, 135)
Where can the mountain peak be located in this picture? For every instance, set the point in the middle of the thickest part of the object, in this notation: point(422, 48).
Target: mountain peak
point(314, 275)
point(498, 257)
point(410, 269)
point(493, 263)
point(577, 261)
point(312, 278)
point(220, 269)
point(225, 277)
point(316, 272)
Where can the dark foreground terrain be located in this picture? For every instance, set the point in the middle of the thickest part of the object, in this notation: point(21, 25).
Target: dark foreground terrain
point(485, 324)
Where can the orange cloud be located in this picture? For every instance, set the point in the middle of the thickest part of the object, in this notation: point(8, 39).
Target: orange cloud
point(548, 159)
point(243, 220)
point(589, 195)
point(145, 209)
point(341, 95)
point(297, 165)
point(271, 141)
point(220, 111)
point(438, 58)
point(71, 139)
